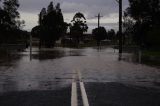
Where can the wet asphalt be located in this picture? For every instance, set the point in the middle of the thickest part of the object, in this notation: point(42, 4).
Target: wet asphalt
point(59, 97)
point(46, 80)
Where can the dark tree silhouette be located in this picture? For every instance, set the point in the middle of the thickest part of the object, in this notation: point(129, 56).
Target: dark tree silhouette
point(99, 34)
point(78, 27)
point(51, 25)
point(111, 34)
point(36, 31)
point(4, 18)
point(145, 15)
point(9, 22)
point(42, 14)
point(11, 7)
point(5, 23)
point(50, 8)
point(128, 28)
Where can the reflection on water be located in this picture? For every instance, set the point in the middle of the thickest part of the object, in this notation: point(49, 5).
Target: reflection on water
point(54, 68)
point(9, 58)
point(131, 57)
point(44, 55)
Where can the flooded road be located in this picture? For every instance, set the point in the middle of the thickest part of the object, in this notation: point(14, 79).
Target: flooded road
point(54, 69)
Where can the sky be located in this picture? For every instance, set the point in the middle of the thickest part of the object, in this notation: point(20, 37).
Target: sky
point(29, 10)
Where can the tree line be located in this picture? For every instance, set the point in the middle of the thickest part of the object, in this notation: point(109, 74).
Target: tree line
point(52, 27)
point(141, 25)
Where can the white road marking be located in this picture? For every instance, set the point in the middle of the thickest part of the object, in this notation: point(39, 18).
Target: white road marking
point(84, 95)
point(83, 91)
point(74, 98)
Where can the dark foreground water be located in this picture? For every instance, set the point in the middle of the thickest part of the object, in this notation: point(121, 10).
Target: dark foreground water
point(49, 74)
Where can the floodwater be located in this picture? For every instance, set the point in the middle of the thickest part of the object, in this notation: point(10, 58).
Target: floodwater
point(51, 69)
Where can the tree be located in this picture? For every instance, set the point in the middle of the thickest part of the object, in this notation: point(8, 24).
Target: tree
point(99, 34)
point(0, 4)
point(10, 24)
point(51, 25)
point(145, 15)
point(42, 14)
point(36, 31)
point(50, 7)
point(5, 23)
point(111, 34)
point(78, 26)
point(11, 7)
point(58, 9)
point(128, 29)
point(153, 37)
point(4, 18)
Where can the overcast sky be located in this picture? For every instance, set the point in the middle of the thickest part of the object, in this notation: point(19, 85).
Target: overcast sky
point(29, 10)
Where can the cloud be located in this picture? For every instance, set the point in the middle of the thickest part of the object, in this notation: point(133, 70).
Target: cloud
point(71, 7)
point(30, 20)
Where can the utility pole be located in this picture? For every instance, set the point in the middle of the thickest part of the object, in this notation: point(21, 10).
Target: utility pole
point(99, 16)
point(120, 29)
point(30, 46)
